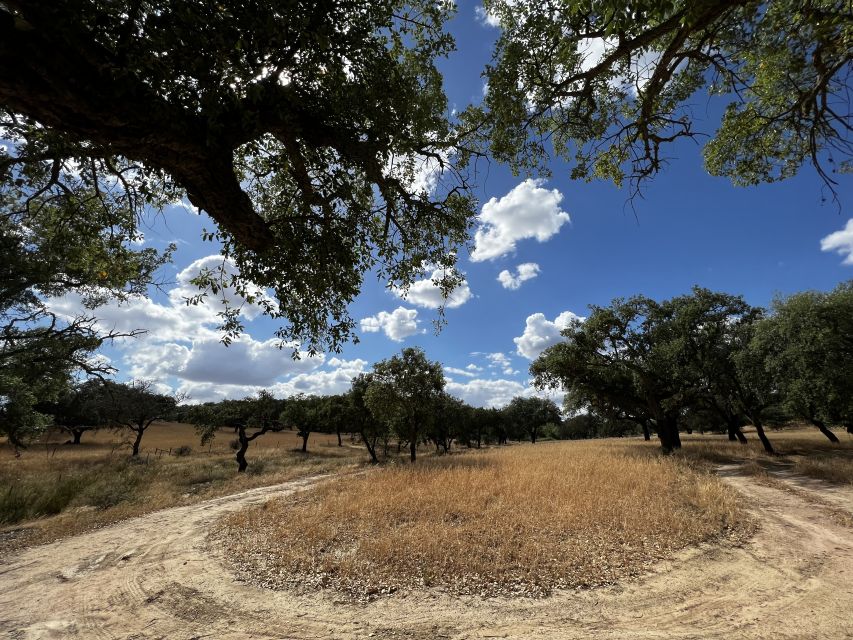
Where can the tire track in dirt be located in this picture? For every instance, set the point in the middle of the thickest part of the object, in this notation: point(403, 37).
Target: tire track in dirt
point(154, 577)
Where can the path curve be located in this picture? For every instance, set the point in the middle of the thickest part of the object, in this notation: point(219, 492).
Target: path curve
point(154, 577)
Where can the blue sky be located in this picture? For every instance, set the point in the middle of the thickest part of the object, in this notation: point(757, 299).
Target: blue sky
point(690, 228)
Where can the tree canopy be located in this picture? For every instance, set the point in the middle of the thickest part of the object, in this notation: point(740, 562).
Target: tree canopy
point(316, 135)
point(610, 84)
point(404, 392)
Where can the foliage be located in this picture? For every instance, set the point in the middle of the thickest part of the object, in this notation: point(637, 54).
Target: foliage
point(808, 342)
point(609, 85)
point(260, 412)
point(80, 408)
point(135, 406)
point(527, 416)
point(643, 360)
point(317, 136)
point(403, 393)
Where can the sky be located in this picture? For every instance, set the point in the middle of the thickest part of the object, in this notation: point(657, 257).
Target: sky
point(543, 251)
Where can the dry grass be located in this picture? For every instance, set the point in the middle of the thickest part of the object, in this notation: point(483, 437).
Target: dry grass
point(521, 520)
point(800, 451)
point(55, 490)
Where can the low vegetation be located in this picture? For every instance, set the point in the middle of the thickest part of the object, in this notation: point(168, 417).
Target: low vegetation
point(800, 452)
point(516, 520)
point(55, 490)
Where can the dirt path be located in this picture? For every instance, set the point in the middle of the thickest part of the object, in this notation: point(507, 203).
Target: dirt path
point(151, 577)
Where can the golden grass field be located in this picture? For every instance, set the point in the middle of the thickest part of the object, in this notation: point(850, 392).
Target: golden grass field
point(517, 520)
point(54, 489)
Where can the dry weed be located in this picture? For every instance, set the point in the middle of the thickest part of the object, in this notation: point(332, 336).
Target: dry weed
point(521, 520)
point(55, 490)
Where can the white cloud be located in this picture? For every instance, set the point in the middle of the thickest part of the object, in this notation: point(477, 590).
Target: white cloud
point(330, 381)
point(540, 333)
point(473, 367)
point(499, 360)
point(528, 211)
point(425, 293)
point(459, 372)
point(497, 393)
point(486, 18)
point(523, 272)
point(173, 319)
point(245, 362)
point(397, 325)
point(322, 382)
point(841, 242)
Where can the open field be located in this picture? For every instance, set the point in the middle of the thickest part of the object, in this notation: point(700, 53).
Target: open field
point(800, 451)
point(161, 576)
point(56, 490)
point(519, 520)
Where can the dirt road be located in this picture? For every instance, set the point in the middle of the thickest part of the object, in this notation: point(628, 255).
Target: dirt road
point(152, 577)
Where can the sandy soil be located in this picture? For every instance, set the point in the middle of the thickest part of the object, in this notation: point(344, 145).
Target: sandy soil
point(153, 577)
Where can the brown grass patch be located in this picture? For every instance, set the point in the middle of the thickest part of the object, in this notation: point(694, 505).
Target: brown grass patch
point(55, 490)
point(521, 520)
point(801, 451)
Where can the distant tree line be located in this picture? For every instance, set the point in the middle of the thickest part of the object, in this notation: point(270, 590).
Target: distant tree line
point(400, 405)
point(708, 359)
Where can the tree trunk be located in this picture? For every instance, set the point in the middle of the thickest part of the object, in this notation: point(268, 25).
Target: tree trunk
point(340, 444)
point(735, 431)
point(668, 436)
point(822, 428)
point(371, 449)
point(135, 450)
point(759, 429)
point(305, 442)
point(533, 435)
point(242, 465)
point(646, 435)
point(413, 447)
point(76, 434)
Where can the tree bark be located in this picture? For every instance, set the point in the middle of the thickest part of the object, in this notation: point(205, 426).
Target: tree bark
point(76, 434)
point(413, 446)
point(305, 442)
point(242, 465)
point(646, 435)
point(824, 430)
point(668, 436)
point(735, 431)
point(759, 429)
point(340, 443)
point(137, 441)
point(371, 449)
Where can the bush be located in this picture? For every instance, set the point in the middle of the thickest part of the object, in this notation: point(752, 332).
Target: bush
point(183, 450)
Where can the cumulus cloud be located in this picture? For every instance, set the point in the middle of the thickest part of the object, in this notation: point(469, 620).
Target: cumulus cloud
point(841, 242)
point(523, 272)
point(333, 378)
point(528, 211)
point(459, 372)
point(497, 393)
point(397, 324)
point(540, 333)
point(172, 319)
point(182, 342)
point(246, 361)
point(426, 293)
point(502, 361)
point(486, 18)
